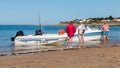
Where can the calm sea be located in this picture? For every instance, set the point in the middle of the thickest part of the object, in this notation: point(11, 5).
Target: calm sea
point(8, 31)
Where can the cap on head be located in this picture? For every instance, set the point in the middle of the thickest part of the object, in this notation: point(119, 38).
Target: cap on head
point(80, 22)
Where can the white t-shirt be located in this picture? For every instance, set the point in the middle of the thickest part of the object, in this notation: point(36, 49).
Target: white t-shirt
point(81, 28)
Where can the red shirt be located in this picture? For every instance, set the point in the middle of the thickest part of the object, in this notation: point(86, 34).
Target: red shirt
point(70, 29)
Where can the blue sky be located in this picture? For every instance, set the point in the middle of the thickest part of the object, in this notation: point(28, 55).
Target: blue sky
point(54, 11)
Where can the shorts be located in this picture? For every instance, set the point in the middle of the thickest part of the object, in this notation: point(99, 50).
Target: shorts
point(105, 33)
point(69, 38)
point(80, 36)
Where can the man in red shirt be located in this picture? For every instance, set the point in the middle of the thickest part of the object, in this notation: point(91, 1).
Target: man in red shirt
point(70, 30)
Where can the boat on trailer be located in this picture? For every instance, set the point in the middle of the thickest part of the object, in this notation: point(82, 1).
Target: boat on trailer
point(90, 34)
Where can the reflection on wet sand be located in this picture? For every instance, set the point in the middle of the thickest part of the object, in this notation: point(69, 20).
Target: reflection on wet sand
point(58, 46)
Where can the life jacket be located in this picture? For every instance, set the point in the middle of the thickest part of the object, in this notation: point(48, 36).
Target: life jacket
point(61, 32)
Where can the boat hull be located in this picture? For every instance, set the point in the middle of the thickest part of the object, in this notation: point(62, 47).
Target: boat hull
point(52, 38)
point(38, 39)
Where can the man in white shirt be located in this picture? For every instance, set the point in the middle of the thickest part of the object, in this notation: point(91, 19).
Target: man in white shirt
point(81, 30)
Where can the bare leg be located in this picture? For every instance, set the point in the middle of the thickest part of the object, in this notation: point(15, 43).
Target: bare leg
point(79, 43)
point(69, 43)
point(82, 41)
point(105, 40)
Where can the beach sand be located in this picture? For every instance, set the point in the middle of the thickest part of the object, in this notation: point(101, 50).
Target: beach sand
point(93, 57)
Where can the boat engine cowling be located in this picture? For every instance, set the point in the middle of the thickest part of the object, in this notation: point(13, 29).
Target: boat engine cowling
point(19, 33)
point(38, 32)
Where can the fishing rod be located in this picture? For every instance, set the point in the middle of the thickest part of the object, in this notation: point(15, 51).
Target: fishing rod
point(40, 31)
point(40, 24)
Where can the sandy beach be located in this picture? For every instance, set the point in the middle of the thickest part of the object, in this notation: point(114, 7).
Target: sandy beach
point(93, 57)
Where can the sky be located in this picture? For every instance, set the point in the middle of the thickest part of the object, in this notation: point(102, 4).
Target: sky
point(15, 12)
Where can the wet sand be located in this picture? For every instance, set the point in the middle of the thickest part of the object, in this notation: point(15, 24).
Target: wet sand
point(93, 57)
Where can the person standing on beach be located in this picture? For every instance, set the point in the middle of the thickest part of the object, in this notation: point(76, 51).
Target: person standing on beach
point(81, 31)
point(105, 29)
point(70, 30)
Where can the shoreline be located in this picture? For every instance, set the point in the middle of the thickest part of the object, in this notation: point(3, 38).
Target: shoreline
point(50, 48)
point(99, 24)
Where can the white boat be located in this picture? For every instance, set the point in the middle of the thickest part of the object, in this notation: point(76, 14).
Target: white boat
point(52, 38)
point(38, 39)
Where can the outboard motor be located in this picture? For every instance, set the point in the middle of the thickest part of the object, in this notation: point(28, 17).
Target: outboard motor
point(19, 33)
point(38, 32)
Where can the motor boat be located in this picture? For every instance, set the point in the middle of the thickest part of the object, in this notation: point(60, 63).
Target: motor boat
point(40, 38)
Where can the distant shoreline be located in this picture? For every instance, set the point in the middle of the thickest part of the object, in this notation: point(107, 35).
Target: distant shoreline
point(97, 24)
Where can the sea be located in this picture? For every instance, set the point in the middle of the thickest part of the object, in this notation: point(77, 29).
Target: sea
point(8, 31)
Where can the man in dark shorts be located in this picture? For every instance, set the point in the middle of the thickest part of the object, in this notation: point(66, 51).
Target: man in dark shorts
point(70, 30)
